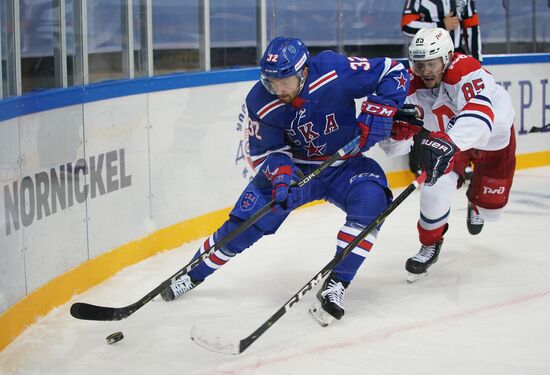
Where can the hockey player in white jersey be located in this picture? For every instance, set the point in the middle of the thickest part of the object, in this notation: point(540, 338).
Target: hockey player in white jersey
point(470, 118)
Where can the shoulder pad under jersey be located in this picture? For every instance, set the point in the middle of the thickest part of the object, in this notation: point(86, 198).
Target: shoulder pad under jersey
point(461, 65)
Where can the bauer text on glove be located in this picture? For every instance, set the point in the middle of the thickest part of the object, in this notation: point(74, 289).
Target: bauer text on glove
point(437, 156)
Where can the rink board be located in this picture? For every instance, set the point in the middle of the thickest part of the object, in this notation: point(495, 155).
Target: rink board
point(97, 178)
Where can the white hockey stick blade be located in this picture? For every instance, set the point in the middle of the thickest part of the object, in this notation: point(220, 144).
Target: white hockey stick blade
point(319, 315)
point(413, 277)
point(210, 341)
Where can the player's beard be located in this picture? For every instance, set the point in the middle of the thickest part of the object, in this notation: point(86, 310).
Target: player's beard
point(286, 98)
point(432, 80)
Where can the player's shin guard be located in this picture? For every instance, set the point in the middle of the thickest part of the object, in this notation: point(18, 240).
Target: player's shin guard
point(215, 260)
point(349, 266)
point(221, 256)
point(189, 281)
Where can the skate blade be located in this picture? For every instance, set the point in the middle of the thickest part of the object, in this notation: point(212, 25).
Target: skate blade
point(320, 316)
point(413, 277)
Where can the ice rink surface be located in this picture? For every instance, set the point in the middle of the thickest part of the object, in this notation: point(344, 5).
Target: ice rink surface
point(483, 309)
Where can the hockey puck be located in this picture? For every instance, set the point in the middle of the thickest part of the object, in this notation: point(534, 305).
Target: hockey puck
point(114, 337)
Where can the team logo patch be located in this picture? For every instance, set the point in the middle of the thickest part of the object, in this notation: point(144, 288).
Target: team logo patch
point(493, 191)
point(244, 128)
point(248, 201)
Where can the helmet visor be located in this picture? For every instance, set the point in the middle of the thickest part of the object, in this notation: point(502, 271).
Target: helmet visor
point(277, 86)
point(425, 67)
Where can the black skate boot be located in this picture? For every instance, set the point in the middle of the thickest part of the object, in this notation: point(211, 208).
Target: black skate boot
point(330, 301)
point(474, 221)
point(178, 287)
point(418, 265)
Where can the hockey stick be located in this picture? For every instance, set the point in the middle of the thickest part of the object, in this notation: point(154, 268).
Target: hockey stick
point(218, 345)
point(88, 311)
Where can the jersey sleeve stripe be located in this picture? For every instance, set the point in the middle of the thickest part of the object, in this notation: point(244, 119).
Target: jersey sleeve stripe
point(323, 80)
point(266, 109)
point(484, 109)
point(397, 67)
point(486, 121)
point(387, 67)
point(482, 97)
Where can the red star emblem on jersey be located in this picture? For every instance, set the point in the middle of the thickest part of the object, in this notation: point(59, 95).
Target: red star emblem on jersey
point(313, 150)
point(401, 81)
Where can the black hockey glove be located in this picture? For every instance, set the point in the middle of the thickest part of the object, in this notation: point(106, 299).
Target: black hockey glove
point(407, 122)
point(437, 156)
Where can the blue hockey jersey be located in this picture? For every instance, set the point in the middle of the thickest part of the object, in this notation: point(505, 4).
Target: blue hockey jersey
point(323, 117)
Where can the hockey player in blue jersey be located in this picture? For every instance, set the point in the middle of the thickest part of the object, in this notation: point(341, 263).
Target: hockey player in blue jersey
point(301, 112)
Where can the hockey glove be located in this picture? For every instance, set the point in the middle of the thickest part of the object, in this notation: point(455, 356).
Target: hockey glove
point(282, 173)
point(375, 122)
point(407, 125)
point(437, 156)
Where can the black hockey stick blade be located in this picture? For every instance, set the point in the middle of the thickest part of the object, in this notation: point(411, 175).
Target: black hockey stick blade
point(217, 344)
point(86, 311)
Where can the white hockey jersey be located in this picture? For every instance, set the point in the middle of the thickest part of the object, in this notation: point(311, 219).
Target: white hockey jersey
point(469, 106)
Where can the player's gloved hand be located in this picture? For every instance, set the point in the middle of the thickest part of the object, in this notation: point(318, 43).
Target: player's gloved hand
point(437, 156)
point(282, 173)
point(375, 122)
point(407, 122)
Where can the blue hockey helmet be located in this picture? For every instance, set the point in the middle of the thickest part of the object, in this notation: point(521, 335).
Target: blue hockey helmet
point(284, 57)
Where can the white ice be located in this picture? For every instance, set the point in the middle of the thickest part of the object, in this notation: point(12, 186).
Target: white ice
point(483, 309)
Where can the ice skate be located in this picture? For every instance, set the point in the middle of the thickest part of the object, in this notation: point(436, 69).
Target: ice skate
point(330, 301)
point(474, 221)
point(178, 287)
point(418, 265)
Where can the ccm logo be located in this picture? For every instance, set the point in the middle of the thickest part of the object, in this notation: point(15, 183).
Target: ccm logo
point(488, 190)
point(378, 110)
point(436, 145)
